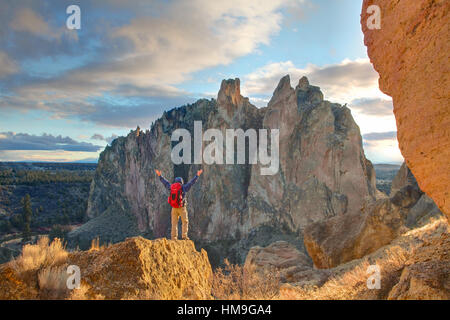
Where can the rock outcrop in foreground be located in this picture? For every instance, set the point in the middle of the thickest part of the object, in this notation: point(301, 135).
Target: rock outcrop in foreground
point(415, 265)
point(411, 53)
point(158, 269)
point(427, 273)
point(134, 269)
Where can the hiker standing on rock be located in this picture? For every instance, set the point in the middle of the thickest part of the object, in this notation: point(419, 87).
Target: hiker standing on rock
point(177, 200)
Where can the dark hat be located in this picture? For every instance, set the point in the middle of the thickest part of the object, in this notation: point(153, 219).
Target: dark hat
point(179, 179)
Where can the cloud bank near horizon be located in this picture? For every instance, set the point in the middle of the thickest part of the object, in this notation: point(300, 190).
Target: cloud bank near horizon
point(24, 141)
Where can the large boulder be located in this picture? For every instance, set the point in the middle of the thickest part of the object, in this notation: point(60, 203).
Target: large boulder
point(292, 265)
point(279, 255)
point(412, 266)
point(346, 237)
point(411, 53)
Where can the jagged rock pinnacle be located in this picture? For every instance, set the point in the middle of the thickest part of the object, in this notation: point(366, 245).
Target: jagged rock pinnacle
point(285, 83)
point(303, 83)
point(229, 98)
point(230, 92)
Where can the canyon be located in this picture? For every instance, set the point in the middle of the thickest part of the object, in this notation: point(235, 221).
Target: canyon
point(322, 173)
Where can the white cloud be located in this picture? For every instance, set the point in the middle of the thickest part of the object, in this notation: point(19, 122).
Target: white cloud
point(342, 82)
point(187, 36)
point(354, 82)
point(373, 106)
point(25, 141)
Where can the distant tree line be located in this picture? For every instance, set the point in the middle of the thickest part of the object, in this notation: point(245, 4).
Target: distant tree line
point(34, 177)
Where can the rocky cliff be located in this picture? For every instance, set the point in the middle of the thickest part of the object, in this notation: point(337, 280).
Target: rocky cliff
point(411, 53)
point(322, 173)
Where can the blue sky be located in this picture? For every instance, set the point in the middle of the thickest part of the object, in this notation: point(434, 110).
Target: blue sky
point(64, 94)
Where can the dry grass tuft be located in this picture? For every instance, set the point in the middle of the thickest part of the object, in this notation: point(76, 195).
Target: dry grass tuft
point(53, 283)
point(40, 255)
point(95, 245)
point(352, 284)
point(235, 282)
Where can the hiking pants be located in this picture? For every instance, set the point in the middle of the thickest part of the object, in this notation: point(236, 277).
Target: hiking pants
point(176, 214)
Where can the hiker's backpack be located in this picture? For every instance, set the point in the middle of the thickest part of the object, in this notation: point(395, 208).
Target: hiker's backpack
point(176, 195)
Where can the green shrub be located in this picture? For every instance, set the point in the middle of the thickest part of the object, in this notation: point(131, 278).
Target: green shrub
point(5, 226)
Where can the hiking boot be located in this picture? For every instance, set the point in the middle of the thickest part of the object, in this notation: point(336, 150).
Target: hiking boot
point(186, 238)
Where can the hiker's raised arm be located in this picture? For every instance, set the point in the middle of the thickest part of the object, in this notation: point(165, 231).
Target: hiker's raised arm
point(164, 181)
point(188, 185)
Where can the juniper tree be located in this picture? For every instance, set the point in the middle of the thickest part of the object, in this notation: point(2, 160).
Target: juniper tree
point(27, 213)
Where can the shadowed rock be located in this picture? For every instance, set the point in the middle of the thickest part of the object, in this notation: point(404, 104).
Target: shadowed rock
point(347, 237)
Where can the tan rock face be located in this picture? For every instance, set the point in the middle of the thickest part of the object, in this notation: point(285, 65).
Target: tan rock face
point(229, 96)
point(426, 275)
point(137, 267)
point(411, 53)
point(293, 266)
